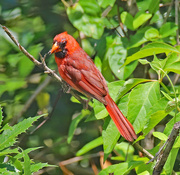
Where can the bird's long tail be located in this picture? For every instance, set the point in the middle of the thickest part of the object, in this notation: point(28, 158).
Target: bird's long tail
point(124, 126)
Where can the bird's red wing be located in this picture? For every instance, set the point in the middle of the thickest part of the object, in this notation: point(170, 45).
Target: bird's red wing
point(86, 77)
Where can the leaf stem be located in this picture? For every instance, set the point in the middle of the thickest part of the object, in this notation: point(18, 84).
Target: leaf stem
point(176, 102)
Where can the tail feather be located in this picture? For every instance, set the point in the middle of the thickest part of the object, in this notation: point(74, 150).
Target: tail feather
point(124, 126)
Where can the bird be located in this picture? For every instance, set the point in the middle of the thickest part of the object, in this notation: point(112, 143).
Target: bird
point(78, 70)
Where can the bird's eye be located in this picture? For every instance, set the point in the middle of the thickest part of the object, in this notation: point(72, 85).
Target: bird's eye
point(63, 43)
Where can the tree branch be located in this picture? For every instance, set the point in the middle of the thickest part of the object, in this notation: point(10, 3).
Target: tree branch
point(42, 65)
point(170, 142)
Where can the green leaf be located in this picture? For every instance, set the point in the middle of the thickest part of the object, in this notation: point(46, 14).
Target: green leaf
point(75, 123)
point(116, 54)
point(144, 96)
point(125, 151)
point(11, 84)
point(154, 120)
point(140, 19)
point(143, 61)
point(106, 3)
point(156, 114)
point(144, 167)
point(168, 167)
point(86, 17)
point(16, 163)
point(127, 19)
point(137, 39)
point(167, 96)
point(36, 167)
point(170, 124)
point(173, 63)
point(153, 6)
point(110, 135)
point(89, 146)
point(151, 34)
point(114, 87)
point(98, 63)
point(8, 151)
point(157, 64)
point(27, 164)
point(143, 5)
point(25, 66)
point(144, 173)
point(121, 168)
point(106, 70)
point(151, 49)
point(99, 110)
point(168, 29)
point(128, 85)
point(8, 137)
point(177, 143)
point(160, 136)
point(27, 151)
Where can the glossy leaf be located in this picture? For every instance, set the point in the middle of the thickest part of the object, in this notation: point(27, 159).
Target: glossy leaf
point(106, 3)
point(177, 143)
point(141, 99)
point(156, 114)
point(170, 124)
point(116, 54)
point(125, 151)
point(153, 6)
point(173, 63)
point(89, 146)
point(151, 49)
point(75, 123)
point(128, 85)
point(169, 165)
point(127, 19)
point(168, 29)
point(121, 168)
point(138, 38)
point(36, 167)
point(110, 135)
point(140, 19)
point(85, 16)
point(160, 136)
point(151, 34)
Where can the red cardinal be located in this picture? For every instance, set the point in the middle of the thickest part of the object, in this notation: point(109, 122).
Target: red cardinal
point(79, 71)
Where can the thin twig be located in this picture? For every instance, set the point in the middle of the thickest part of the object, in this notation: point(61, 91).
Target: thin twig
point(32, 98)
point(120, 22)
point(176, 20)
point(144, 151)
point(77, 159)
point(168, 11)
point(163, 157)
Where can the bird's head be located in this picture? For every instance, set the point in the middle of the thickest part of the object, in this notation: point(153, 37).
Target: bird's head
point(64, 44)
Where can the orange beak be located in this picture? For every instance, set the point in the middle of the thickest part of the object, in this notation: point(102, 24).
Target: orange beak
point(55, 47)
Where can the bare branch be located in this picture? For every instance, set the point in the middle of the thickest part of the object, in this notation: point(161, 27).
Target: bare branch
point(176, 20)
point(144, 151)
point(170, 142)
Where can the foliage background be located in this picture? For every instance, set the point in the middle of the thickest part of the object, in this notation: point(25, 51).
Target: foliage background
point(96, 26)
